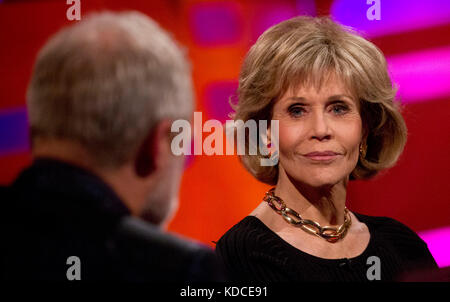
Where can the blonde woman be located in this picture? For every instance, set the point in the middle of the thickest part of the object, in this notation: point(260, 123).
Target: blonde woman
point(338, 120)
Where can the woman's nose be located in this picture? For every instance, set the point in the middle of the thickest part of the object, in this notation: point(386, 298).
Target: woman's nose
point(319, 127)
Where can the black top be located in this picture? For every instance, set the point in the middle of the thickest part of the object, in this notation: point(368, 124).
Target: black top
point(55, 210)
point(253, 252)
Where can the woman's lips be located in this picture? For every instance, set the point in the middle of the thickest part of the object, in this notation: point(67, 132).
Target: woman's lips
point(322, 156)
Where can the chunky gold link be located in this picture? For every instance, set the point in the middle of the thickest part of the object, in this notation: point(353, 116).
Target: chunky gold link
point(270, 200)
point(329, 233)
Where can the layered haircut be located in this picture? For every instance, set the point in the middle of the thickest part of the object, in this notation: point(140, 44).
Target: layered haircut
point(305, 51)
point(105, 82)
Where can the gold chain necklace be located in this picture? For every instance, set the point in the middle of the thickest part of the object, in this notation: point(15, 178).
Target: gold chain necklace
point(331, 234)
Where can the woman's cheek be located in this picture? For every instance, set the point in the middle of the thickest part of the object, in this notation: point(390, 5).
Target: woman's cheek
point(288, 138)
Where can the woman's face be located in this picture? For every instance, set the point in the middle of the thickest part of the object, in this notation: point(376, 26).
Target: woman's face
point(319, 133)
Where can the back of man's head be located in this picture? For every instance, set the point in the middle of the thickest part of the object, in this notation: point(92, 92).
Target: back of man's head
point(103, 95)
point(106, 82)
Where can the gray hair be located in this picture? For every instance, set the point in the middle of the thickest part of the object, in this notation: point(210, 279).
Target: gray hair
point(105, 82)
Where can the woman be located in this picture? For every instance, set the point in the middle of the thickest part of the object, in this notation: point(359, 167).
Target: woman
point(338, 120)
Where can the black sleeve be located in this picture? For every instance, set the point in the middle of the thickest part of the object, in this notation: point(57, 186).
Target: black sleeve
point(247, 256)
point(155, 255)
point(205, 267)
point(414, 251)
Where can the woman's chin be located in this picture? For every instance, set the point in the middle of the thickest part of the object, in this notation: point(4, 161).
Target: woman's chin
point(321, 181)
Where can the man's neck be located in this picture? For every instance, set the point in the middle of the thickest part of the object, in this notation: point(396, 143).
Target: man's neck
point(122, 180)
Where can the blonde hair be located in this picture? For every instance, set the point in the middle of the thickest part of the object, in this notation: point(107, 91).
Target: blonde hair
point(106, 81)
point(302, 51)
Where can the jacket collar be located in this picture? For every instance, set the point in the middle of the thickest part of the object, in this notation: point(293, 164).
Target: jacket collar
point(51, 177)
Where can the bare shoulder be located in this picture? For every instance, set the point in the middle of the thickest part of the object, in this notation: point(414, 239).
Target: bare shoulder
point(358, 227)
point(259, 210)
point(267, 215)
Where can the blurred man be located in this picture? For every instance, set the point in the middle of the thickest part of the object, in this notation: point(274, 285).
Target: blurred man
point(101, 102)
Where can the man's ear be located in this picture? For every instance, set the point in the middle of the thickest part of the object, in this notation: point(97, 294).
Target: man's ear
point(155, 150)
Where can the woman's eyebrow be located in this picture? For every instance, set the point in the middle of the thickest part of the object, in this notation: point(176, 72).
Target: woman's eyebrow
point(296, 99)
point(338, 96)
point(303, 100)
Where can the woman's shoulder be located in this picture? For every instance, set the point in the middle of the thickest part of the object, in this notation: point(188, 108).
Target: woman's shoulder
point(249, 238)
point(251, 251)
point(392, 230)
point(383, 223)
point(397, 239)
point(248, 231)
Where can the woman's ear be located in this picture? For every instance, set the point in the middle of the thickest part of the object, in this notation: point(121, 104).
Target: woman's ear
point(155, 151)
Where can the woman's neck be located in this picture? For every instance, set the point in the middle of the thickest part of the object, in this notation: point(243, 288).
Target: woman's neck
point(324, 205)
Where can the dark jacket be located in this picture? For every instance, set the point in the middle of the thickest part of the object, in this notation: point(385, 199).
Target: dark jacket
point(55, 210)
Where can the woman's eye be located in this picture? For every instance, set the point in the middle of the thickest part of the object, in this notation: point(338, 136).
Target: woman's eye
point(296, 111)
point(339, 109)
